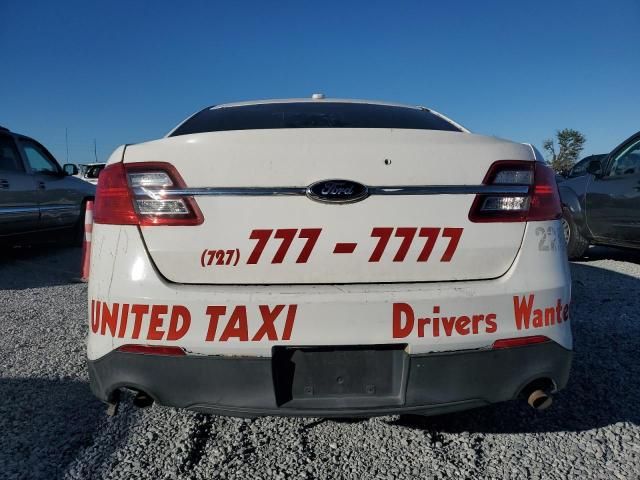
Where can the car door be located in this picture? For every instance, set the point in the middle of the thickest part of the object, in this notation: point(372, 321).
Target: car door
point(58, 203)
point(613, 199)
point(18, 199)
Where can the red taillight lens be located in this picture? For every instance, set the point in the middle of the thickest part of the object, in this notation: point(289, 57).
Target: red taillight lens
point(142, 194)
point(113, 204)
point(519, 341)
point(153, 350)
point(545, 201)
point(529, 193)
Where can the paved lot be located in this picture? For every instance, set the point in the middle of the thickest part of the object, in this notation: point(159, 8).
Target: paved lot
point(52, 427)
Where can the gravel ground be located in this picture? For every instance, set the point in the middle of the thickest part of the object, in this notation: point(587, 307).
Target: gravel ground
point(52, 427)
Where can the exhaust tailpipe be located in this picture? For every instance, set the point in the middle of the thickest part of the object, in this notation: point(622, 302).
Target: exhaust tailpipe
point(112, 404)
point(539, 400)
point(142, 400)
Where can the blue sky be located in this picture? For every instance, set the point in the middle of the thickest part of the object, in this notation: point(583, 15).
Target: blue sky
point(125, 72)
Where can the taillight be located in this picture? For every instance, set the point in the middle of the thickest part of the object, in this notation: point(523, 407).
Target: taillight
point(523, 192)
point(545, 201)
point(143, 194)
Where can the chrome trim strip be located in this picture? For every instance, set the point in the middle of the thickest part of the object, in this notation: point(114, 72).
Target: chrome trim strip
point(46, 208)
point(449, 189)
point(10, 210)
point(299, 191)
point(222, 191)
point(59, 207)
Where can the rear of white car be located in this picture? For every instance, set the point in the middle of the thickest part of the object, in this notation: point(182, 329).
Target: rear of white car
point(327, 257)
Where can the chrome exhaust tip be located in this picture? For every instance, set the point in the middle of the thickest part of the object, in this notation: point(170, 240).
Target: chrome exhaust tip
point(539, 399)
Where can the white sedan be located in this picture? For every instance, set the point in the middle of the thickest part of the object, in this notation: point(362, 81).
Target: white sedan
point(324, 257)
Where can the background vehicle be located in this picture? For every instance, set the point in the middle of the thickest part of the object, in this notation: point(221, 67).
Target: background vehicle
point(36, 194)
point(89, 172)
point(602, 206)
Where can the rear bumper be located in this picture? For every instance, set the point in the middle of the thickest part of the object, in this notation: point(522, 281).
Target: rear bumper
point(246, 386)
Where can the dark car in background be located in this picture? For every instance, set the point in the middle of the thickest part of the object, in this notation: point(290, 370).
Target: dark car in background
point(602, 205)
point(36, 194)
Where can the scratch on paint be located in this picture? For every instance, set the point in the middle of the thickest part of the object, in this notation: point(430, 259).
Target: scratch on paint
point(113, 269)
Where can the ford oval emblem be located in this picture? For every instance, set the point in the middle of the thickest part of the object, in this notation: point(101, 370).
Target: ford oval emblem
point(337, 191)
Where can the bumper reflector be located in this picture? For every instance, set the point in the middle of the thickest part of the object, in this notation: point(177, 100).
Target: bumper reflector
point(152, 350)
point(519, 341)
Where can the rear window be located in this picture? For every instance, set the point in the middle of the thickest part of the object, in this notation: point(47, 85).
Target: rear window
point(312, 115)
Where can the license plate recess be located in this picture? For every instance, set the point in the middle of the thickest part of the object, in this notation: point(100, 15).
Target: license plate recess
point(340, 376)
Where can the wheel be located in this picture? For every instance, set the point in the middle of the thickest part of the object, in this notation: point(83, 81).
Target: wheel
point(576, 243)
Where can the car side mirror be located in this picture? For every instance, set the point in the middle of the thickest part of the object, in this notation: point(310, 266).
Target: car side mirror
point(595, 168)
point(70, 169)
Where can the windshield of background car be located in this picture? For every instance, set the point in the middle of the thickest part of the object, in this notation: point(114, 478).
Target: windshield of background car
point(580, 168)
point(312, 115)
point(628, 162)
point(94, 172)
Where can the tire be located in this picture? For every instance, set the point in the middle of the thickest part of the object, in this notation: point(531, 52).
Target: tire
point(76, 234)
point(577, 245)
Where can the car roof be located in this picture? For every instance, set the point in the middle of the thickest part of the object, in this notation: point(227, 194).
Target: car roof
point(314, 100)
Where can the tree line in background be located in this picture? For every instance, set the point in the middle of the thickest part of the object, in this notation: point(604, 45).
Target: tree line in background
point(569, 144)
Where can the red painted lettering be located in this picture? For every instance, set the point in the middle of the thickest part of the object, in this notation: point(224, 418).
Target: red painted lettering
point(436, 322)
point(214, 312)
point(490, 320)
point(476, 323)
point(178, 313)
point(109, 319)
point(123, 320)
point(268, 327)
point(522, 310)
point(138, 311)
point(400, 329)
point(537, 318)
point(237, 325)
point(422, 323)
point(559, 311)
point(549, 316)
point(462, 325)
point(155, 322)
point(447, 324)
point(288, 324)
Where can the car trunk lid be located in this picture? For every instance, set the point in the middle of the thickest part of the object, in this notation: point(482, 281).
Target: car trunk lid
point(260, 227)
